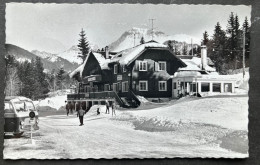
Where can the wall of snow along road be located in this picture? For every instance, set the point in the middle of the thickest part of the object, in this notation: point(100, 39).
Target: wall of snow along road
point(226, 112)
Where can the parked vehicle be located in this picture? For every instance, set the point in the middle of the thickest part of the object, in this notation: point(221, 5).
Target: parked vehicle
point(16, 115)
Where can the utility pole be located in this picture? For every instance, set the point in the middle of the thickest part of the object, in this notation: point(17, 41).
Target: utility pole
point(244, 42)
point(134, 39)
point(191, 47)
point(152, 26)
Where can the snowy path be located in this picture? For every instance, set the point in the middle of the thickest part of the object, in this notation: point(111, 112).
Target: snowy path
point(116, 137)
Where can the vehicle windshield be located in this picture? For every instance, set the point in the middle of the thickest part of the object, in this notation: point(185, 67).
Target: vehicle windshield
point(24, 106)
point(8, 108)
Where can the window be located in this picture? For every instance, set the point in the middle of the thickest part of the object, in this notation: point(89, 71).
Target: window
point(125, 86)
point(106, 87)
point(119, 86)
point(162, 85)
point(9, 108)
point(115, 69)
point(142, 65)
point(124, 69)
point(204, 87)
point(23, 106)
point(162, 66)
point(143, 86)
point(194, 87)
point(216, 87)
point(174, 85)
point(228, 87)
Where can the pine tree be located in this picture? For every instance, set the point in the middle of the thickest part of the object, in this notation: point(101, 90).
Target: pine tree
point(29, 83)
point(218, 56)
point(40, 76)
point(185, 49)
point(170, 45)
point(205, 38)
point(232, 43)
point(142, 40)
point(60, 78)
point(247, 40)
point(83, 46)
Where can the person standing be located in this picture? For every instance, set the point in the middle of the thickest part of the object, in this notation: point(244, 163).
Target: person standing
point(81, 113)
point(107, 107)
point(113, 108)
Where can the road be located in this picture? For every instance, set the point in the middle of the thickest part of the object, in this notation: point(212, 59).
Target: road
point(105, 136)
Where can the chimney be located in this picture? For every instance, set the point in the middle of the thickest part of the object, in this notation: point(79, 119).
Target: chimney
point(107, 53)
point(203, 57)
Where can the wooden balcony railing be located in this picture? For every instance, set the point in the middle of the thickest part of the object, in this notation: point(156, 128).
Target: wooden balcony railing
point(96, 95)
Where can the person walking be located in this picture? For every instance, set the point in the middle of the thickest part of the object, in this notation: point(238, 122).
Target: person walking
point(113, 108)
point(107, 107)
point(81, 113)
point(67, 108)
point(71, 106)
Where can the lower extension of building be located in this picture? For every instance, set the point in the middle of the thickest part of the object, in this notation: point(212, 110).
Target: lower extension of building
point(150, 70)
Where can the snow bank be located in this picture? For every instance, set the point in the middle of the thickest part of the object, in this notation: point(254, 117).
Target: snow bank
point(213, 111)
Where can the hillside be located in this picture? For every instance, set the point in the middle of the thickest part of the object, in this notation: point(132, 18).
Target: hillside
point(21, 55)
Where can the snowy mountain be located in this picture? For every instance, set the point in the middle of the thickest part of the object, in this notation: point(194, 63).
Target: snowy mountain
point(132, 38)
point(71, 55)
point(50, 61)
point(49, 56)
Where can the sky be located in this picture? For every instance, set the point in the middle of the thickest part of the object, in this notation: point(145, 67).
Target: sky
point(55, 27)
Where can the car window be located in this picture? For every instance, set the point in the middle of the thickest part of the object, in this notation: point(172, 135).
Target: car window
point(20, 106)
point(9, 108)
point(29, 106)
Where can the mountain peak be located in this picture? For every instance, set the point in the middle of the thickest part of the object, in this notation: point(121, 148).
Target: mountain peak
point(133, 36)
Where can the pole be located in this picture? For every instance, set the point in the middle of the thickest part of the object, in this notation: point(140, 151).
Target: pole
point(152, 26)
point(134, 39)
point(244, 42)
point(191, 47)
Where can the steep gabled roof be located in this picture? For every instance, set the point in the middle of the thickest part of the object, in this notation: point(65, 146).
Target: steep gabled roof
point(99, 57)
point(127, 56)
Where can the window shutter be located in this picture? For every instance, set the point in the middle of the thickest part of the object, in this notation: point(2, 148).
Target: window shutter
point(156, 66)
point(137, 65)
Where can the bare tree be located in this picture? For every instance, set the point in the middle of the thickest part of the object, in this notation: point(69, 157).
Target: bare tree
point(12, 87)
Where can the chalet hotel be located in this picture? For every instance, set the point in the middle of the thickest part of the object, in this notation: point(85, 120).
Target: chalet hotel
point(149, 70)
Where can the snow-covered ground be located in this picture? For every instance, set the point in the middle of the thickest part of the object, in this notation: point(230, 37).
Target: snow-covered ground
point(189, 127)
point(212, 126)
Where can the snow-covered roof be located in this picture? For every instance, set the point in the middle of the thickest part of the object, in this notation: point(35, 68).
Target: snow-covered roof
point(191, 66)
point(101, 60)
point(194, 64)
point(210, 76)
point(125, 57)
point(187, 74)
point(17, 98)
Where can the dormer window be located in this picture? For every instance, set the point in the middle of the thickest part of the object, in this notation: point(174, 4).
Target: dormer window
point(142, 65)
point(115, 69)
point(162, 66)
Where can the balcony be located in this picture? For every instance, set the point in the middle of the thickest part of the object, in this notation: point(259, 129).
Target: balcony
point(92, 95)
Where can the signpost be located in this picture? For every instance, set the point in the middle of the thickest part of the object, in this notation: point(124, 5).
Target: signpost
point(32, 121)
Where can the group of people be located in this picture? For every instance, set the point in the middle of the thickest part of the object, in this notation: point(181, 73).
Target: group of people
point(69, 108)
point(79, 109)
point(81, 112)
point(112, 106)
